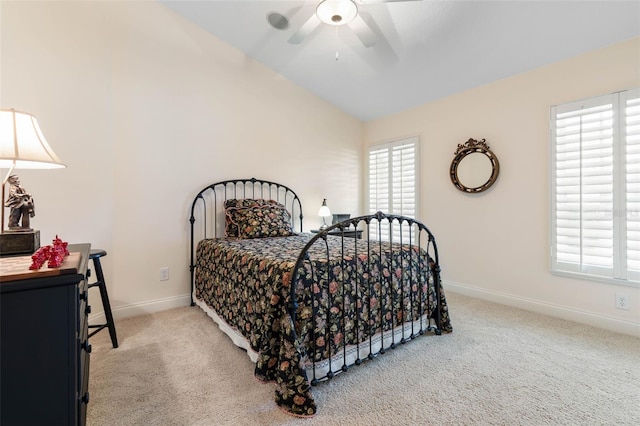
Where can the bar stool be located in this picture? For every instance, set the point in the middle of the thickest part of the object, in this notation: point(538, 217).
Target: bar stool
point(95, 256)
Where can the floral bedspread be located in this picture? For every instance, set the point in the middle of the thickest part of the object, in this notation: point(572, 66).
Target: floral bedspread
point(247, 282)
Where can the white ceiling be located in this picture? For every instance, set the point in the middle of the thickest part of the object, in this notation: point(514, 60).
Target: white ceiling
point(424, 50)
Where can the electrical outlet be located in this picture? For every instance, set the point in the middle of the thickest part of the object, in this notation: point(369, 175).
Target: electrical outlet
point(622, 301)
point(164, 274)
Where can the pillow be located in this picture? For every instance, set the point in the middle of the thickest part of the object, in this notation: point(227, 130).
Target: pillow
point(234, 205)
point(249, 218)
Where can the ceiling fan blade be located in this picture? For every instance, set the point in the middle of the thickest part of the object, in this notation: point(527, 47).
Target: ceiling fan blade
point(306, 29)
point(363, 31)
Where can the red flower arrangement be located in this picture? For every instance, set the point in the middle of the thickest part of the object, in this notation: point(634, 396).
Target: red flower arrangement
point(54, 254)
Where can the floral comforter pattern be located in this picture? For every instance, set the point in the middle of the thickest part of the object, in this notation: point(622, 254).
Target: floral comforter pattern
point(247, 282)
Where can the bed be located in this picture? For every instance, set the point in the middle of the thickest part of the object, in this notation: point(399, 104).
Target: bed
point(308, 306)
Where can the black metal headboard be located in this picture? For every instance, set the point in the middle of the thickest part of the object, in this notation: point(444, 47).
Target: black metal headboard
point(207, 210)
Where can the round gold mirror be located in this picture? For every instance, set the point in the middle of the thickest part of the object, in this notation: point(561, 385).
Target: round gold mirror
point(474, 168)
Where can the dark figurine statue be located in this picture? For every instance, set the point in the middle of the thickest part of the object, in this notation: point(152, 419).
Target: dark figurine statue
point(20, 204)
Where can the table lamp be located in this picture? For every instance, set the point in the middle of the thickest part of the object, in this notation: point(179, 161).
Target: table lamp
point(324, 212)
point(22, 146)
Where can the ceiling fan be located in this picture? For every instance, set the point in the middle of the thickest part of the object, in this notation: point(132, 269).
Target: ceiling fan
point(340, 12)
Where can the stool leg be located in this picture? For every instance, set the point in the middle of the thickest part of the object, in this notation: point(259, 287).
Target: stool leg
point(105, 302)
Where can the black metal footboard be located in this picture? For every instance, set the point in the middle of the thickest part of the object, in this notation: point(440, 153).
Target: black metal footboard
point(352, 299)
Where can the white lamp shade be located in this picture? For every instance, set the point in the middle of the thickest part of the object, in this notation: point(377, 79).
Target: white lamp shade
point(336, 12)
point(324, 210)
point(22, 144)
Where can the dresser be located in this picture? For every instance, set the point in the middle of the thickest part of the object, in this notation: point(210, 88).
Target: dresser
point(44, 350)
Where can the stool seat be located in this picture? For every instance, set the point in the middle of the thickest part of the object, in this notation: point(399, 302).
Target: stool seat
point(95, 255)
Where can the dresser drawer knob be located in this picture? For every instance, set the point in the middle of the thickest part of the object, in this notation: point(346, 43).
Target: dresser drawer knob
point(87, 310)
point(83, 295)
point(85, 398)
point(86, 346)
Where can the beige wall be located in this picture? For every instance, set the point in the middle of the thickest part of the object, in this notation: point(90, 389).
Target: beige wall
point(496, 244)
point(146, 109)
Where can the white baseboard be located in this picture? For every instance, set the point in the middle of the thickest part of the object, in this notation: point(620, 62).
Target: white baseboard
point(142, 308)
point(554, 310)
point(558, 311)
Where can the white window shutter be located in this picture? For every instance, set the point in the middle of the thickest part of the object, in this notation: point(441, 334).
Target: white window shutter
point(596, 187)
point(631, 129)
point(584, 178)
point(403, 169)
point(393, 182)
point(379, 180)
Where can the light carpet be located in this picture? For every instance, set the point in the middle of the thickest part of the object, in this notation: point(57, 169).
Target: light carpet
point(500, 366)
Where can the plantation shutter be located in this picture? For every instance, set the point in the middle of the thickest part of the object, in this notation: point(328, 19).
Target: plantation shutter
point(584, 184)
point(379, 180)
point(596, 186)
point(631, 104)
point(403, 168)
point(393, 180)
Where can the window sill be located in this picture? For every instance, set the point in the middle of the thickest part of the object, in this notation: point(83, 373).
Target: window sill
point(597, 278)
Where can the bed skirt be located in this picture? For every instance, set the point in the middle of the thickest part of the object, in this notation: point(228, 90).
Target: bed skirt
point(351, 353)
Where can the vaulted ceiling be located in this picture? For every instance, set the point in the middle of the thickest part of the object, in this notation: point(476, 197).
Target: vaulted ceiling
point(418, 50)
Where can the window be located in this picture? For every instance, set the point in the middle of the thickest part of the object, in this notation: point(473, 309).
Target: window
point(595, 188)
point(393, 181)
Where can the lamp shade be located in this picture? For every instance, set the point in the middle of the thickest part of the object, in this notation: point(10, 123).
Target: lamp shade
point(324, 210)
point(336, 12)
point(22, 144)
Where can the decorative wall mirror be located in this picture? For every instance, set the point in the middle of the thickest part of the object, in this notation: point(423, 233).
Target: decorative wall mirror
point(474, 168)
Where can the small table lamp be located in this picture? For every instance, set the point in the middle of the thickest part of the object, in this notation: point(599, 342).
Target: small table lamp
point(22, 146)
point(324, 212)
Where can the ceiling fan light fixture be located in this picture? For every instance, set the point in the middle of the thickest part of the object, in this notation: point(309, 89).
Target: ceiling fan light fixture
point(336, 12)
